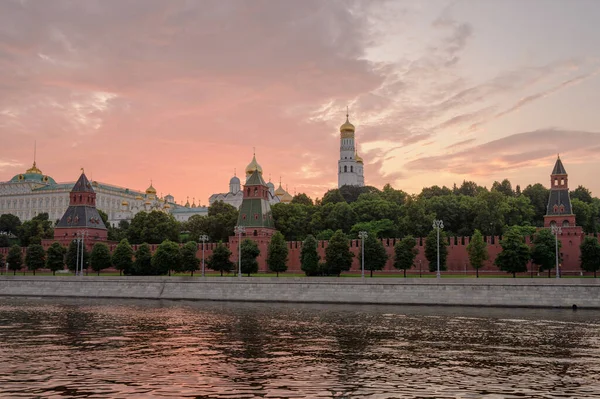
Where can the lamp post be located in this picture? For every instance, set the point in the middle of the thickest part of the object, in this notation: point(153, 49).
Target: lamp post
point(80, 238)
point(362, 235)
point(438, 224)
point(556, 230)
point(239, 230)
point(77, 257)
point(203, 238)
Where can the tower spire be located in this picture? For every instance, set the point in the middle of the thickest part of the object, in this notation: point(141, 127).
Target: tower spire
point(34, 151)
point(347, 113)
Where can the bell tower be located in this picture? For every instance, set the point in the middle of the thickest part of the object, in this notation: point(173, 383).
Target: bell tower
point(559, 212)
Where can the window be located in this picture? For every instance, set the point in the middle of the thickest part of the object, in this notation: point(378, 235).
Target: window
point(555, 208)
point(562, 182)
point(351, 169)
point(345, 168)
point(565, 223)
point(255, 192)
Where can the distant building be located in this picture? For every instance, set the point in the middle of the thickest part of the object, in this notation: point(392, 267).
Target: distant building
point(350, 165)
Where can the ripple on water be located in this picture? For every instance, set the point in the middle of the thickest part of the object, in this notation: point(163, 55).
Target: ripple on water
point(145, 349)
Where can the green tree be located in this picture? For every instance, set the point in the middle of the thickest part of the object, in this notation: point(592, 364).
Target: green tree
point(36, 229)
point(122, 257)
point(292, 220)
point(543, 252)
point(302, 199)
point(277, 254)
point(338, 257)
point(431, 250)
point(470, 189)
point(250, 252)
point(55, 257)
point(332, 197)
point(341, 217)
point(189, 260)
point(35, 257)
point(375, 254)
point(505, 188)
point(14, 258)
point(590, 255)
point(166, 258)
point(104, 217)
point(538, 196)
point(515, 253)
point(219, 260)
point(9, 223)
point(153, 228)
point(477, 250)
point(100, 257)
point(309, 257)
point(72, 259)
point(325, 235)
point(384, 228)
point(405, 252)
point(389, 194)
point(142, 265)
point(582, 194)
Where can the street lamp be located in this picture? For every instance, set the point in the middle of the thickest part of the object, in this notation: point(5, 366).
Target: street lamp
point(239, 230)
point(556, 231)
point(203, 238)
point(362, 235)
point(438, 224)
point(80, 238)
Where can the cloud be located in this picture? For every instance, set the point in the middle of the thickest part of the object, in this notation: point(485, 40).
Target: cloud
point(513, 152)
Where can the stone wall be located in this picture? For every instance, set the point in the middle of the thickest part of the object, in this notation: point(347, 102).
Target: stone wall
point(464, 292)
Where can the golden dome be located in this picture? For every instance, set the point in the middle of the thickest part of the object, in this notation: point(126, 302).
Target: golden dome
point(253, 166)
point(139, 197)
point(147, 202)
point(287, 198)
point(34, 169)
point(280, 192)
point(151, 190)
point(347, 126)
point(167, 206)
point(358, 158)
point(125, 203)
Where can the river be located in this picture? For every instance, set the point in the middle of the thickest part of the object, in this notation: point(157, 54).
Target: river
point(75, 348)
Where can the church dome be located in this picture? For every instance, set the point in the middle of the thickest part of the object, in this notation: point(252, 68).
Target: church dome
point(125, 203)
point(151, 190)
point(358, 158)
point(347, 126)
point(167, 206)
point(280, 192)
point(271, 186)
point(34, 170)
point(139, 197)
point(253, 166)
point(286, 198)
point(234, 180)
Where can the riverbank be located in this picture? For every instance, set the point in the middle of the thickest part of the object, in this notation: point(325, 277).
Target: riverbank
point(583, 293)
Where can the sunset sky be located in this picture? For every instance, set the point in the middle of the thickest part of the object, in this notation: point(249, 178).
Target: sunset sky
point(181, 91)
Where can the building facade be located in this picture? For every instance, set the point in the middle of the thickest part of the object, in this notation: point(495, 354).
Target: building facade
point(31, 193)
point(235, 195)
point(350, 164)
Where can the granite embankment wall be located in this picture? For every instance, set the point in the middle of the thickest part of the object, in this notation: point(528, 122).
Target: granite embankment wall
point(465, 292)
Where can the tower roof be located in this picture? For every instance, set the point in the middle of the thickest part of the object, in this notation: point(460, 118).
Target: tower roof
point(559, 169)
point(256, 179)
point(82, 185)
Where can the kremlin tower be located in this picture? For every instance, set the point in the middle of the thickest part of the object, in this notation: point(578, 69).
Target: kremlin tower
point(350, 165)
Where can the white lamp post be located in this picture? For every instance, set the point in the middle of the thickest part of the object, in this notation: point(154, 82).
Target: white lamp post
point(438, 224)
point(239, 230)
point(556, 230)
point(77, 257)
point(203, 238)
point(362, 235)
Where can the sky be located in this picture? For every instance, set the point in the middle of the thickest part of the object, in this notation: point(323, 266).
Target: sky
point(181, 93)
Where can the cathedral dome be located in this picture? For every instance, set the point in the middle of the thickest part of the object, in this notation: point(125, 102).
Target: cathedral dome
point(151, 190)
point(347, 126)
point(139, 197)
point(34, 170)
point(125, 203)
point(234, 180)
point(286, 198)
point(280, 192)
point(252, 167)
point(271, 186)
point(167, 206)
point(358, 158)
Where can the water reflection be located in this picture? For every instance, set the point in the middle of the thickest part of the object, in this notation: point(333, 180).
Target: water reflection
point(151, 349)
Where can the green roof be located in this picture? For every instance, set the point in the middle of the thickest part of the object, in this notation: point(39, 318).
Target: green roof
point(255, 179)
point(32, 177)
point(255, 212)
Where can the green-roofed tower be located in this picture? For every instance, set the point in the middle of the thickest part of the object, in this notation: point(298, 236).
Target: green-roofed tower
point(255, 212)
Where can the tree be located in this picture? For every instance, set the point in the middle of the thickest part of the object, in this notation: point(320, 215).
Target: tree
point(166, 258)
point(36, 229)
point(100, 257)
point(375, 254)
point(543, 252)
point(505, 188)
point(35, 257)
point(189, 260)
point(55, 257)
point(277, 254)
point(538, 196)
point(250, 252)
point(153, 228)
point(104, 218)
point(384, 228)
point(582, 194)
point(302, 199)
point(325, 235)
point(590, 255)
point(9, 223)
point(405, 252)
point(142, 265)
point(309, 257)
point(431, 250)
point(122, 257)
point(1, 262)
point(332, 197)
point(338, 257)
point(515, 253)
point(72, 259)
point(477, 250)
point(15, 258)
point(219, 260)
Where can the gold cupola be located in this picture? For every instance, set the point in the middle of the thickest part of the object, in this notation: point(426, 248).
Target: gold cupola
point(357, 157)
point(34, 169)
point(347, 128)
point(151, 190)
point(280, 192)
point(253, 167)
point(125, 203)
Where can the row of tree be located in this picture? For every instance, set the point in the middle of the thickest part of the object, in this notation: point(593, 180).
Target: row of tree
point(171, 257)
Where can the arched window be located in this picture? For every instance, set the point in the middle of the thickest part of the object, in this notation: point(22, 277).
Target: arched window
point(248, 191)
point(255, 233)
point(565, 223)
point(345, 168)
point(555, 208)
point(562, 182)
point(351, 169)
point(255, 192)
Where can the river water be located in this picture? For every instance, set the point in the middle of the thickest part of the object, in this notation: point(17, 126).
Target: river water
point(57, 348)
